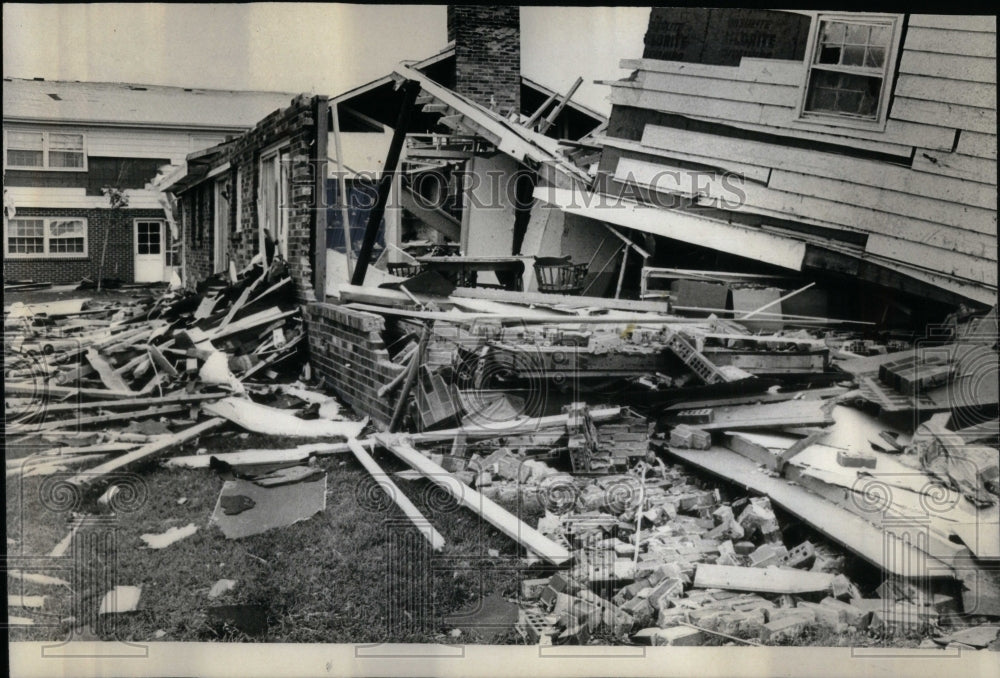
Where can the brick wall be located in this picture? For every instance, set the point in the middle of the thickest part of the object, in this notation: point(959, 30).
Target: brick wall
point(347, 351)
point(295, 125)
point(119, 258)
point(487, 54)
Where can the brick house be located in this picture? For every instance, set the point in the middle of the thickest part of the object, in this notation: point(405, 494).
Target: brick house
point(66, 143)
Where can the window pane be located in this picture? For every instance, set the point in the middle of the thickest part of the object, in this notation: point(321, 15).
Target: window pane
point(65, 159)
point(857, 34)
point(880, 36)
point(846, 93)
point(833, 31)
point(66, 245)
point(16, 158)
point(65, 142)
point(27, 227)
point(829, 54)
point(854, 56)
point(875, 57)
point(25, 140)
point(60, 228)
point(26, 245)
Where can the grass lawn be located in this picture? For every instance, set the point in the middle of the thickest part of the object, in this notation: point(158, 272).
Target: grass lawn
point(326, 579)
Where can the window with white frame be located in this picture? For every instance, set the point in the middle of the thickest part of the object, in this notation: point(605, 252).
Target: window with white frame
point(41, 237)
point(30, 149)
point(275, 191)
point(850, 67)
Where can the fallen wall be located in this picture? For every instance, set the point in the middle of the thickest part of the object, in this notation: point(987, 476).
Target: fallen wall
point(347, 351)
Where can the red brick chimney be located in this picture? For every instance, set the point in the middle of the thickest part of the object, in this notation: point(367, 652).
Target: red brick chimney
point(487, 54)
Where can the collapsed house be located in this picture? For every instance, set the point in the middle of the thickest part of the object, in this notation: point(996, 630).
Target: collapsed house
point(519, 349)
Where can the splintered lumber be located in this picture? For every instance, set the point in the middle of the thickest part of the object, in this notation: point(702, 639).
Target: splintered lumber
point(114, 416)
point(495, 515)
point(263, 419)
point(761, 579)
point(252, 457)
point(107, 373)
point(146, 452)
point(51, 390)
point(411, 378)
point(402, 501)
point(770, 415)
point(136, 402)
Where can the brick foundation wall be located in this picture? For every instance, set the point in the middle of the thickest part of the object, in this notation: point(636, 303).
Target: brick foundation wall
point(119, 258)
point(487, 54)
point(347, 351)
point(297, 126)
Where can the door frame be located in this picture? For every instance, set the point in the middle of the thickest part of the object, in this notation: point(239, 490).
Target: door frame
point(220, 227)
point(163, 247)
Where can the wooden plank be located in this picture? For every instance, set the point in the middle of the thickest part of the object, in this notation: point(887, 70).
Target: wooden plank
point(829, 165)
point(955, 165)
point(104, 418)
point(696, 229)
point(958, 22)
point(769, 415)
point(756, 172)
point(944, 41)
point(761, 579)
point(954, 67)
point(951, 263)
point(773, 71)
point(107, 373)
point(832, 214)
point(977, 144)
point(146, 452)
point(180, 397)
point(983, 120)
point(494, 514)
point(725, 90)
point(897, 138)
point(567, 301)
point(255, 457)
point(161, 362)
point(851, 531)
point(959, 214)
point(423, 525)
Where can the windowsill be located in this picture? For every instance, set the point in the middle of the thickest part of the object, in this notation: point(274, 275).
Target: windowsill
point(45, 257)
point(840, 121)
point(13, 168)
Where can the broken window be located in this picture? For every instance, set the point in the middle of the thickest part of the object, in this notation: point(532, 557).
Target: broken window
point(849, 69)
point(45, 150)
point(38, 237)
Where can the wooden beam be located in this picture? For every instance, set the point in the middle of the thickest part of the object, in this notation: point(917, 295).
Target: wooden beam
point(146, 452)
point(109, 377)
point(342, 189)
point(547, 123)
point(495, 515)
point(135, 402)
point(319, 154)
point(411, 89)
point(411, 377)
point(401, 500)
point(761, 579)
point(103, 418)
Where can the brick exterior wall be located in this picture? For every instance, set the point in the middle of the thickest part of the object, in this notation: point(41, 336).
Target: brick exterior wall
point(346, 350)
point(295, 125)
point(487, 54)
point(119, 258)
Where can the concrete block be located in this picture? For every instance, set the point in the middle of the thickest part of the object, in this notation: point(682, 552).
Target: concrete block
point(800, 556)
point(768, 554)
point(856, 459)
point(531, 589)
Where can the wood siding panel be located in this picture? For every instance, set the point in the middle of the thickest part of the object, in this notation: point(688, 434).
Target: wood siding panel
point(951, 263)
point(943, 41)
point(980, 145)
point(931, 112)
point(768, 71)
point(855, 170)
point(898, 138)
point(715, 88)
point(961, 92)
point(975, 24)
point(753, 172)
point(956, 165)
point(954, 67)
point(951, 214)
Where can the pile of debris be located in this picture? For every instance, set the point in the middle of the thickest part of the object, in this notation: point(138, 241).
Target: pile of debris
point(74, 365)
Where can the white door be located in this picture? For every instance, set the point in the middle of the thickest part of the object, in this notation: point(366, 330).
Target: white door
point(220, 235)
point(150, 263)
